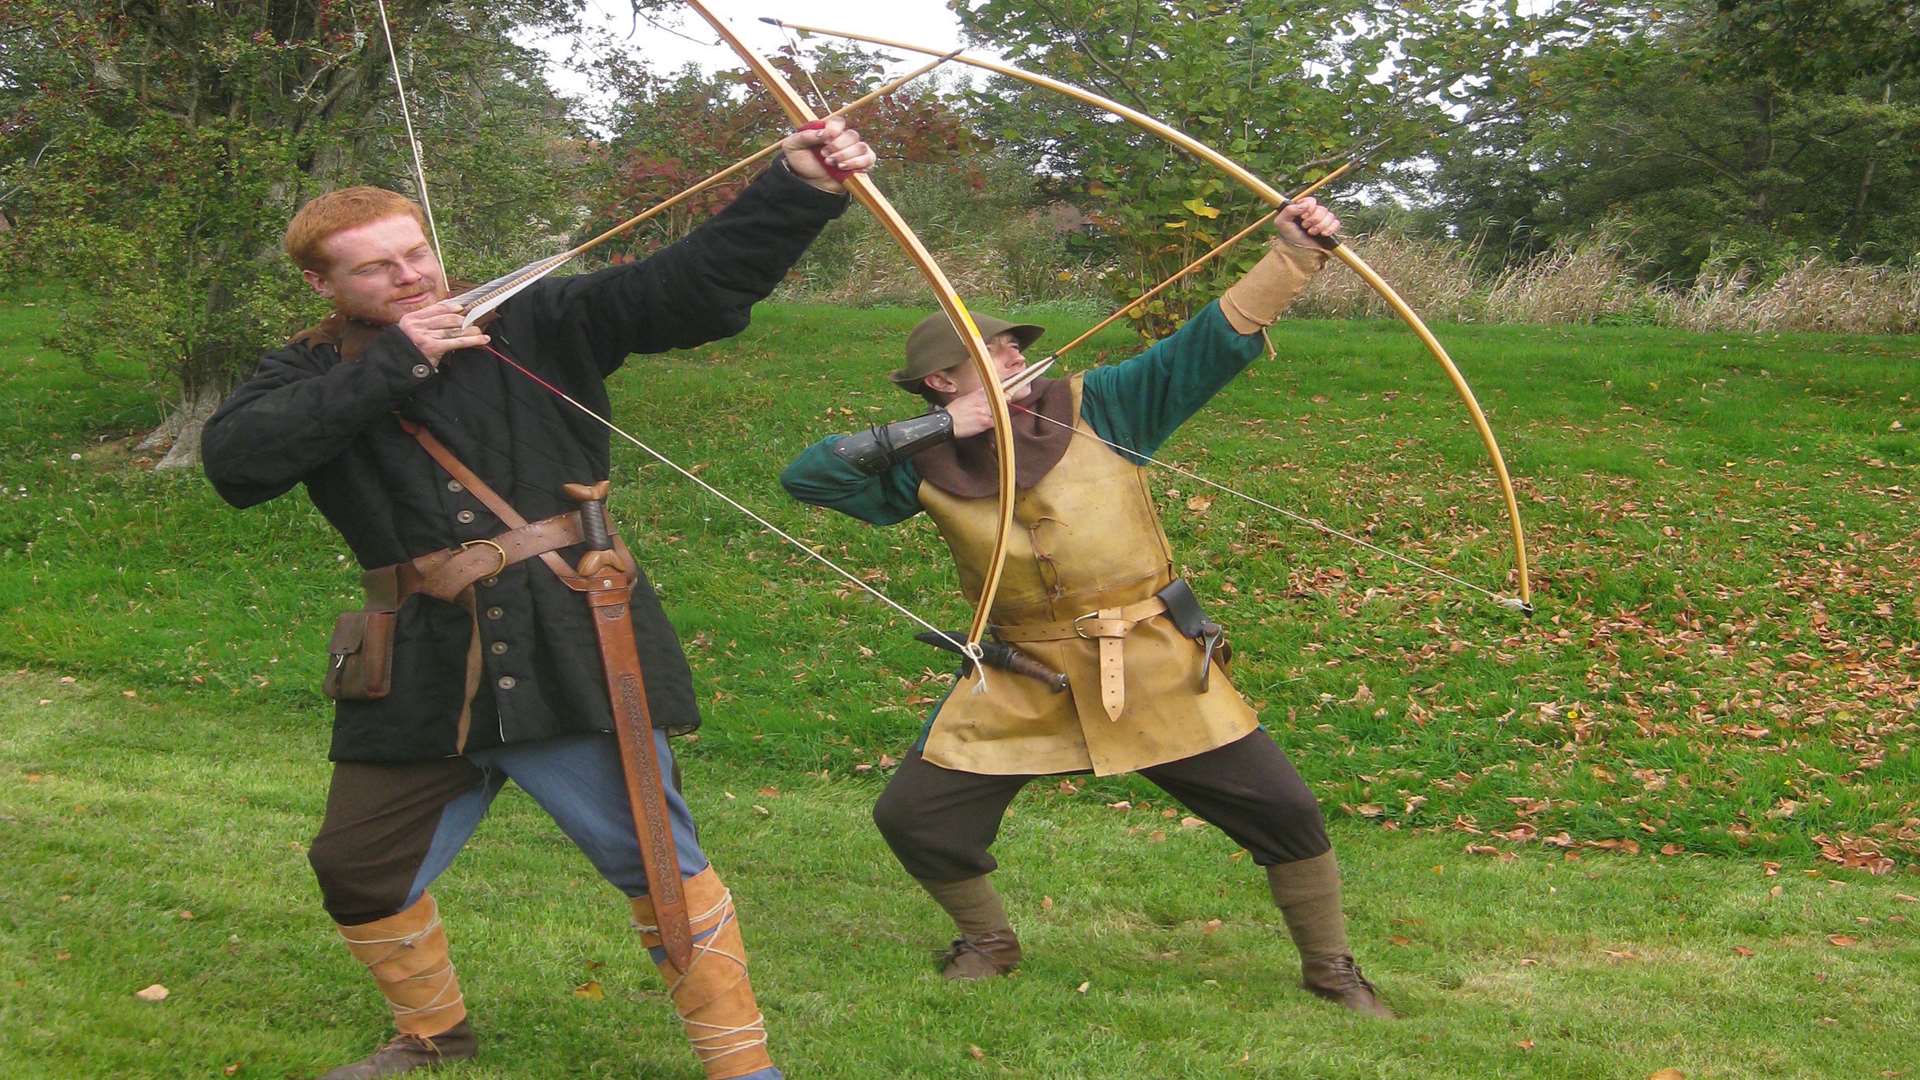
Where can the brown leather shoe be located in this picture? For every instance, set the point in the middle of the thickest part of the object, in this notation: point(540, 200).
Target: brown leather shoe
point(405, 1053)
point(981, 957)
point(1338, 978)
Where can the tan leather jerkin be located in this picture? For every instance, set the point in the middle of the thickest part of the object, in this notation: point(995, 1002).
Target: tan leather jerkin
point(1086, 542)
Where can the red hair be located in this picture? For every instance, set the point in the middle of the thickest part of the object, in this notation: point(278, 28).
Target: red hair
point(345, 208)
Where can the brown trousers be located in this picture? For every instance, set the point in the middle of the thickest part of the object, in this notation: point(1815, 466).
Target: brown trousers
point(940, 822)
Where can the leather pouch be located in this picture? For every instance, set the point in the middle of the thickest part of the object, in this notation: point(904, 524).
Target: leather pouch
point(360, 657)
point(1183, 608)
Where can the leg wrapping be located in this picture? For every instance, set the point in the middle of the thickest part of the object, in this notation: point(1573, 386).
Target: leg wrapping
point(713, 996)
point(408, 957)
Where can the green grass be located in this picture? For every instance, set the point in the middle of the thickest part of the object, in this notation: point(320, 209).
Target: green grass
point(1723, 673)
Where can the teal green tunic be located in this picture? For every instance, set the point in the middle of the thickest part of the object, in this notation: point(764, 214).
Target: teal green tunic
point(1136, 404)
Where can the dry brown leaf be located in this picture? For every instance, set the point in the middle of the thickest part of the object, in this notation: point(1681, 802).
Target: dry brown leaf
point(1668, 1074)
point(1121, 805)
point(1482, 849)
point(1211, 926)
point(976, 1053)
point(1157, 836)
point(156, 992)
point(1742, 951)
point(1046, 903)
point(1905, 899)
point(771, 791)
point(1842, 941)
point(1192, 823)
point(1672, 849)
point(1399, 939)
point(232, 1069)
point(1082, 988)
point(1525, 1044)
point(590, 990)
point(1199, 503)
point(1618, 955)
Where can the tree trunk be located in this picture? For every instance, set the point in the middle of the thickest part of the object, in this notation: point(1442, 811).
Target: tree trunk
point(180, 431)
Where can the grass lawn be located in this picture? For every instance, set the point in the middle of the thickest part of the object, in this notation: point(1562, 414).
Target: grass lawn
point(1638, 832)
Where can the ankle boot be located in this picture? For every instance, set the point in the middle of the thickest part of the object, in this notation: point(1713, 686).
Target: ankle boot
point(986, 946)
point(1307, 893)
point(713, 997)
point(408, 958)
point(406, 1052)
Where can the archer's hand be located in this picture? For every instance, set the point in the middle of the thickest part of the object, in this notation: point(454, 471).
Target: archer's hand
point(971, 413)
point(840, 145)
point(1299, 222)
point(436, 331)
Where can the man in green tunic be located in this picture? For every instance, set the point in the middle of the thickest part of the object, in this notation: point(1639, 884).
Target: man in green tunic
point(1088, 590)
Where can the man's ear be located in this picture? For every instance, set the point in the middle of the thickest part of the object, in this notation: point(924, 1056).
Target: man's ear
point(941, 381)
point(319, 283)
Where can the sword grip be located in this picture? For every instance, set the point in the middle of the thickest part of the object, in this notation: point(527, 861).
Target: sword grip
point(1011, 659)
point(593, 512)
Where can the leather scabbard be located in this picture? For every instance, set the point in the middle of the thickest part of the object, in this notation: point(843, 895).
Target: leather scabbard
point(608, 596)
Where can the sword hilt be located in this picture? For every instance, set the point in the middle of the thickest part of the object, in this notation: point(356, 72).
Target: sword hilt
point(594, 531)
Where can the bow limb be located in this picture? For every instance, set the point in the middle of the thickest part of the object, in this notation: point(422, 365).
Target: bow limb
point(863, 189)
point(1273, 198)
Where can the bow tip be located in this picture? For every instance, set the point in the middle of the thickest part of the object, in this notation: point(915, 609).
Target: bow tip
point(1514, 603)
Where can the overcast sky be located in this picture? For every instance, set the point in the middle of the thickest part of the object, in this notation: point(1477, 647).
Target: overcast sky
point(924, 22)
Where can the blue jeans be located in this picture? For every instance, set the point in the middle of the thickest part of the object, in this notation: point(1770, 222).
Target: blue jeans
point(577, 780)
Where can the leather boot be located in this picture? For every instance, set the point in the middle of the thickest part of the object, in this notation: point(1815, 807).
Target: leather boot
point(1307, 893)
point(407, 956)
point(986, 946)
point(712, 996)
point(406, 1052)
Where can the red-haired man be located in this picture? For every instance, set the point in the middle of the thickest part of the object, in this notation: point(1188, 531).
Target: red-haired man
point(474, 502)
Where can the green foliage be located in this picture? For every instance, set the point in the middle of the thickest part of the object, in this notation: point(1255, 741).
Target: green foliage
point(1696, 127)
point(157, 151)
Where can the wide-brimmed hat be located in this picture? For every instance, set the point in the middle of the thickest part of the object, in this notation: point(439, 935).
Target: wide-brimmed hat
point(934, 346)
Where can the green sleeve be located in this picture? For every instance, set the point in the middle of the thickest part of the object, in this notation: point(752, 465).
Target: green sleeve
point(820, 477)
point(1139, 403)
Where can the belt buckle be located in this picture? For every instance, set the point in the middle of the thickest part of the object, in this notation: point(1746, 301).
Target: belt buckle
point(1080, 619)
point(498, 550)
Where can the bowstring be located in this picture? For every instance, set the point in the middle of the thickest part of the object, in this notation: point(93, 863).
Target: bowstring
point(413, 141)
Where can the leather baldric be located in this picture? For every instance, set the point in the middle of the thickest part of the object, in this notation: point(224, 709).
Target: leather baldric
point(608, 589)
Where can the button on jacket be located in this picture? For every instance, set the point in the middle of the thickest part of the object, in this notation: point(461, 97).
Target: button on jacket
point(311, 416)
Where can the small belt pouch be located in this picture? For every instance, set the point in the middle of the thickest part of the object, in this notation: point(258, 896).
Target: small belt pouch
point(360, 657)
point(1183, 608)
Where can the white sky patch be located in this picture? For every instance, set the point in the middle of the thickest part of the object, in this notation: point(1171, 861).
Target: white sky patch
point(680, 37)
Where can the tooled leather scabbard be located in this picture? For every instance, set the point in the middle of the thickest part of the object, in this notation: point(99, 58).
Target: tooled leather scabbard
point(608, 596)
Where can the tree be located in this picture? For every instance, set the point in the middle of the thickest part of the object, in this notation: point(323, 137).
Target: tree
point(154, 149)
point(1752, 131)
point(1287, 89)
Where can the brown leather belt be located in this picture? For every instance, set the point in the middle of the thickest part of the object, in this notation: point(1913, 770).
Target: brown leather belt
point(608, 589)
point(444, 575)
point(1110, 626)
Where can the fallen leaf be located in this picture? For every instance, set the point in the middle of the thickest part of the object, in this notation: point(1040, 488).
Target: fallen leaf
point(1668, 1074)
point(1525, 1044)
point(1211, 926)
point(1399, 939)
point(761, 810)
point(770, 791)
point(156, 992)
point(1199, 503)
point(1046, 903)
point(1482, 849)
point(1082, 988)
point(1742, 951)
point(590, 990)
point(1842, 941)
point(976, 1053)
point(1905, 899)
point(1617, 955)
point(185, 915)
point(1528, 961)
point(1672, 849)
point(1067, 787)
point(1157, 836)
point(1121, 805)
point(232, 1069)
point(1192, 823)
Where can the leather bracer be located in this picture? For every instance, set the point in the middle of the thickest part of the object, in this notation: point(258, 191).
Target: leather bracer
point(883, 446)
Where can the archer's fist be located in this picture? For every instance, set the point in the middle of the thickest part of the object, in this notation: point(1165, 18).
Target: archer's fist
point(1300, 222)
point(836, 143)
point(436, 331)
